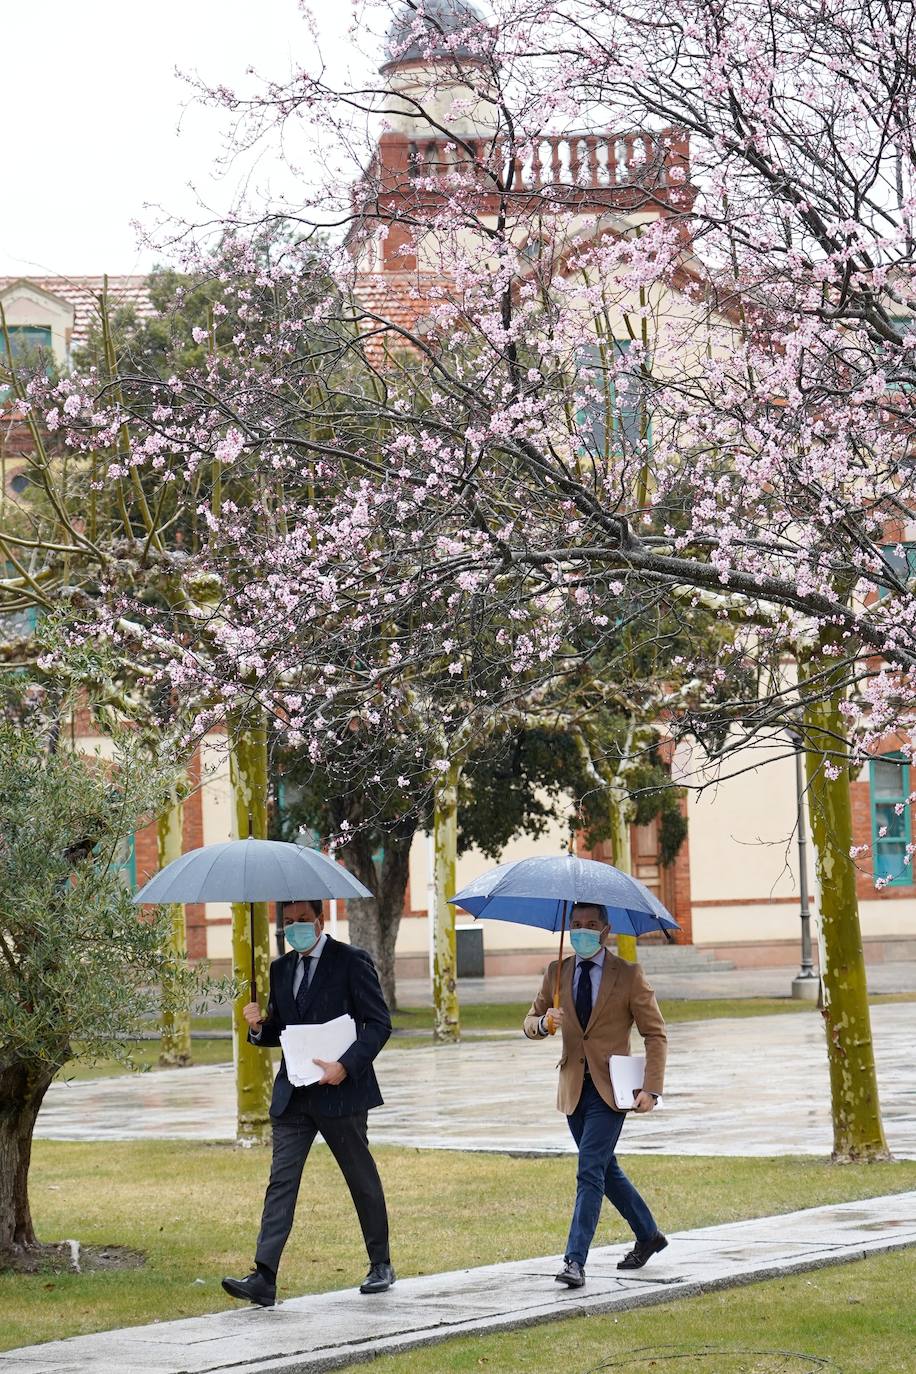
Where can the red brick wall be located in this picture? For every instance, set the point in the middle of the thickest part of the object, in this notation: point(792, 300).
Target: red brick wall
point(192, 838)
point(146, 853)
point(678, 888)
point(147, 857)
point(398, 253)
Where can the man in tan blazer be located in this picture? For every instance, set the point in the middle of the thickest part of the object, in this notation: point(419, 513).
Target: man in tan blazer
point(601, 998)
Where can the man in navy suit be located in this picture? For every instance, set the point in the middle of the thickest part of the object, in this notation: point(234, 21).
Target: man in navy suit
point(318, 980)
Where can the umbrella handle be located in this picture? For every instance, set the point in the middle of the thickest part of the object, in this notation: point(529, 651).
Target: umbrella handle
point(253, 985)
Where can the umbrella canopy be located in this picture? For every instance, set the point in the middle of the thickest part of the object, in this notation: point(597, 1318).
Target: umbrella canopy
point(251, 871)
point(542, 891)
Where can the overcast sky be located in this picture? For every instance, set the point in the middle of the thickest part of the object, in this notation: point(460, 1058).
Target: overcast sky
point(93, 105)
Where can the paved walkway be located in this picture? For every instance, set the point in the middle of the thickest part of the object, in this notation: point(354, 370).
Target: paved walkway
point(331, 1330)
point(754, 1086)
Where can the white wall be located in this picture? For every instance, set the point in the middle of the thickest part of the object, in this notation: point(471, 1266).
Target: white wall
point(24, 304)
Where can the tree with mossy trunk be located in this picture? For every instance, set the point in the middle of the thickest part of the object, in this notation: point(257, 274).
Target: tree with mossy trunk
point(80, 972)
point(858, 1132)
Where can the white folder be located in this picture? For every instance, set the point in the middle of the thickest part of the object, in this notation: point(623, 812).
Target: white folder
point(323, 1040)
point(628, 1073)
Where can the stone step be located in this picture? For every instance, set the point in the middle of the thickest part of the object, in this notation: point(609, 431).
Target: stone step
point(680, 959)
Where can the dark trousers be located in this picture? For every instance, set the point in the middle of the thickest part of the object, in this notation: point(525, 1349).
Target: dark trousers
point(596, 1129)
point(347, 1138)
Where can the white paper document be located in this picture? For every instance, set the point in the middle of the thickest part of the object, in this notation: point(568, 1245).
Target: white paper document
point(628, 1072)
point(302, 1045)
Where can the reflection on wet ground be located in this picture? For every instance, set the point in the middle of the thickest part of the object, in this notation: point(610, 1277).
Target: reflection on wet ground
point(756, 1086)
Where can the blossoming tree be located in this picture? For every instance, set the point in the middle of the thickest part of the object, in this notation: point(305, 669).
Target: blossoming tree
point(654, 286)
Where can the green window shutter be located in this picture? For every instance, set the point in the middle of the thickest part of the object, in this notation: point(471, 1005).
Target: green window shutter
point(26, 340)
point(125, 861)
point(902, 564)
point(889, 779)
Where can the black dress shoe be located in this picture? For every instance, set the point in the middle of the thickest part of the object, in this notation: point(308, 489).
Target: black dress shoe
point(379, 1279)
point(572, 1274)
point(253, 1289)
point(642, 1251)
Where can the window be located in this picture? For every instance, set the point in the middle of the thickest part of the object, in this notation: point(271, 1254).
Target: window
point(17, 624)
point(26, 340)
point(890, 786)
point(627, 411)
point(902, 564)
point(125, 862)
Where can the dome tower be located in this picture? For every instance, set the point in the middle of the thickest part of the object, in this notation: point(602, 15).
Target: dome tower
point(433, 54)
point(420, 32)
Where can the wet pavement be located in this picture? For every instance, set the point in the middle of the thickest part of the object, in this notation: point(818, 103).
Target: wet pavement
point(329, 1330)
point(754, 1086)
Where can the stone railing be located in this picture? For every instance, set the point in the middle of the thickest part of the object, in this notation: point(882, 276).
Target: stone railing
point(588, 162)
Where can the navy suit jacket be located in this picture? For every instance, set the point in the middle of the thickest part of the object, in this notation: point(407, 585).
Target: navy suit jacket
point(344, 982)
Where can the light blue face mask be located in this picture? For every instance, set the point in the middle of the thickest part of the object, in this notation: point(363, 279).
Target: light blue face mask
point(301, 936)
point(586, 943)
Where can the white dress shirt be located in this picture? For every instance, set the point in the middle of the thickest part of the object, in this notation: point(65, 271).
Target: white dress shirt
point(313, 955)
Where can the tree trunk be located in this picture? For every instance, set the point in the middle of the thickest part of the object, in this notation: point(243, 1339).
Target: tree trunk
point(447, 1026)
point(22, 1090)
point(857, 1130)
point(374, 921)
point(620, 839)
point(253, 1070)
point(175, 1038)
point(375, 930)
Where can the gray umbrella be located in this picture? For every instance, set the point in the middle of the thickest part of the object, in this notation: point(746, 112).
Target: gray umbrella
point(250, 871)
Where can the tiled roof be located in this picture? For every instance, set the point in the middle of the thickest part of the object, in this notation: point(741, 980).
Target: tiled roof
point(84, 293)
point(397, 297)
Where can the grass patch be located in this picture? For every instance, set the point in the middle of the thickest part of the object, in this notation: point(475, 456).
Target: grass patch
point(830, 1321)
point(194, 1211)
point(145, 1055)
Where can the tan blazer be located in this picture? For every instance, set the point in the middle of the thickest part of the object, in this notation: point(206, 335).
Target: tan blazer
point(624, 999)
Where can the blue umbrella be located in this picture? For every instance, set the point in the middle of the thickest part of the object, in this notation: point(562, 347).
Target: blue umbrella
point(250, 871)
point(542, 892)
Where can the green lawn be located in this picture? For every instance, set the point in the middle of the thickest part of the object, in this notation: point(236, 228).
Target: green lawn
point(194, 1209)
point(844, 1320)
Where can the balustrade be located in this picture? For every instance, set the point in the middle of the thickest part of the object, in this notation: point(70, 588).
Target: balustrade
point(584, 161)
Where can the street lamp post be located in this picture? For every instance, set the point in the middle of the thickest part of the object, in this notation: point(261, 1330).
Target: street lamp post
point(806, 985)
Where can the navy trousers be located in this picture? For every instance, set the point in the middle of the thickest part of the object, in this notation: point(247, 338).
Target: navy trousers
point(596, 1129)
point(294, 1133)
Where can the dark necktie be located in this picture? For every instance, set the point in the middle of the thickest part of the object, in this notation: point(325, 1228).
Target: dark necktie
point(584, 993)
point(303, 992)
